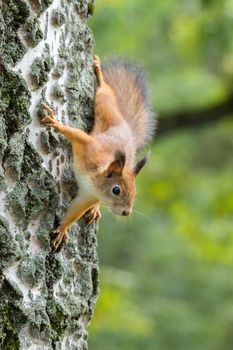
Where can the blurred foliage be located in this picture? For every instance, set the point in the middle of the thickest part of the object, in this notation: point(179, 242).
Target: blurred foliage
point(166, 272)
point(167, 276)
point(186, 46)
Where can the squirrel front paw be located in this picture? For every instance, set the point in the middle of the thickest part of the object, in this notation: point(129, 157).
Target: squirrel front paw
point(92, 215)
point(50, 119)
point(61, 235)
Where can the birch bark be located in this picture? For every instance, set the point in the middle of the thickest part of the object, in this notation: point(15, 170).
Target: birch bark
point(46, 298)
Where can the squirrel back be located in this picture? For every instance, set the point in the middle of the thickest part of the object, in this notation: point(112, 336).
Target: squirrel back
point(129, 85)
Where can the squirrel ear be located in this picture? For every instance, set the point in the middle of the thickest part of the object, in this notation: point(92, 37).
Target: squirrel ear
point(140, 164)
point(117, 166)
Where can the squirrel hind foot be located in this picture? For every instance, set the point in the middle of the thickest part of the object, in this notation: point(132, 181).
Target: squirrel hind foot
point(96, 61)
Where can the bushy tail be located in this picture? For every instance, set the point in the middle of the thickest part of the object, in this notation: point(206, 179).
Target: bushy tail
point(129, 84)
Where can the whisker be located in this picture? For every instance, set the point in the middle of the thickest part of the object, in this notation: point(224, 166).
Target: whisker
point(106, 204)
point(138, 212)
point(133, 210)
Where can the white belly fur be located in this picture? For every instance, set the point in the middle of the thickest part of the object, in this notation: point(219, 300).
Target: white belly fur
point(84, 182)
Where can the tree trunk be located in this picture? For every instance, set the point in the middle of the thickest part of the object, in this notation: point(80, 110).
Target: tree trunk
point(46, 298)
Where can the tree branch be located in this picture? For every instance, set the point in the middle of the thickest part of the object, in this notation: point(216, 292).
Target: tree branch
point(195, 118)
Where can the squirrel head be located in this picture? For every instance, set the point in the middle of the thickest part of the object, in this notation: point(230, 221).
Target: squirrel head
point(117, 185)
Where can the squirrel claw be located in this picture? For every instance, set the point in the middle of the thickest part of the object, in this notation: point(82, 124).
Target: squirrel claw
point(61, 235)
point(49, 109)
point(96, 61)
point(48, 120)
point(92, 215)
point(51, 114)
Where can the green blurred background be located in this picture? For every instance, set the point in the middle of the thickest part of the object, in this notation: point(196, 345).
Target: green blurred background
point(166, 272)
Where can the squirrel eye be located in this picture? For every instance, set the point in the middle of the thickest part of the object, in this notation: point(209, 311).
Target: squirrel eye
point(116, 190)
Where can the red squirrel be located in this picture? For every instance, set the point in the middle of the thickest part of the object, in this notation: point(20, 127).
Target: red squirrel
point(104, 160)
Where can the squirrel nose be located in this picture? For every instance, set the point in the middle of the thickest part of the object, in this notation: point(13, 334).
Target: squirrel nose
point(125, 212)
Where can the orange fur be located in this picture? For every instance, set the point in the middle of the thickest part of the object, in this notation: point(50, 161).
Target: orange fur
point(104, 161)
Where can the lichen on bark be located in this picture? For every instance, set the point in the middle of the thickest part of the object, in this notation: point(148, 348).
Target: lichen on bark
point(46, 298)
point(41, 68)
point(13, 15)
point(32, 31)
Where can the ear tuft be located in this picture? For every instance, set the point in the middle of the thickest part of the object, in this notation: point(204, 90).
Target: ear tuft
point(120, 159)
point(117, 166)
point(140, 164)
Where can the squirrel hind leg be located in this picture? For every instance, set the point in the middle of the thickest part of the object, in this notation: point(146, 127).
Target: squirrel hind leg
point(98, 71)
